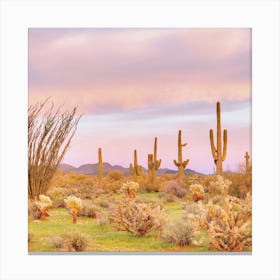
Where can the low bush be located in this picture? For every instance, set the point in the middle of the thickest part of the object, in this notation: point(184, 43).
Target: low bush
point(57, 241)
point(89, 210)
point(180, 232)
point(76, 241)
point(115, 175)
point(175, 187)
point(34, 212)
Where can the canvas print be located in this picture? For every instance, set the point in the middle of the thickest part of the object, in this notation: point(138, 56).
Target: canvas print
point(139, 140)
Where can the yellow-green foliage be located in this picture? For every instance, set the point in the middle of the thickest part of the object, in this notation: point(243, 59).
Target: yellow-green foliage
point(197, 191)
point(129, 189)
point(115, 175)
point(44, 203)
point(75, 204)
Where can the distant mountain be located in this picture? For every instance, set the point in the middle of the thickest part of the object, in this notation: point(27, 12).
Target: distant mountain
point(92, 169)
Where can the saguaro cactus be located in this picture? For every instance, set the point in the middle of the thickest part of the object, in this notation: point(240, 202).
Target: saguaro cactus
point(135, 169)
point(219, 155)
point(151, 170)
point(247, 163)
point(156, 163)
point(100, 166)
point(181, 164)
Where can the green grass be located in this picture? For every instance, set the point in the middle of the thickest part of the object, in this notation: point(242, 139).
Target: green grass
point(103, 238)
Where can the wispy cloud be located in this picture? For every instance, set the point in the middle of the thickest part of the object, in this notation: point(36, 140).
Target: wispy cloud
point(135, 84)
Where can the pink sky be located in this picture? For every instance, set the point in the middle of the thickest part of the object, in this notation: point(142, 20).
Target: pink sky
point(135, 84)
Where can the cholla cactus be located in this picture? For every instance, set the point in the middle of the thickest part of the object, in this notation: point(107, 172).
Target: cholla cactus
point(75, 204)
point(228, 223)
point(197, 191)
point(44, 204)
point(129, 189)
point(137, 218)
point(220, 186)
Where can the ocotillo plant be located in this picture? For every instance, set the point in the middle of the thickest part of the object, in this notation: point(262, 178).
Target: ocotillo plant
point(181, 164)
point(135, 169)
point(100, 166)
point(219, 155)
point(247, 164)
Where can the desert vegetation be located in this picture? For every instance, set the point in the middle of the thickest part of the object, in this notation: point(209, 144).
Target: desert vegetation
point(139, 211)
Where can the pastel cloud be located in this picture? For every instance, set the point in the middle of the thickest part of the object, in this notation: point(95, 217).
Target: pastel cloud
point(135, 84)
point(134, 68)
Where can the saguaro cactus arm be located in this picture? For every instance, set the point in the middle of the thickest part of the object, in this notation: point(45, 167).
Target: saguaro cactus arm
point(185, 163)
point(155, 161)
point(213, 148)
point(225, 145)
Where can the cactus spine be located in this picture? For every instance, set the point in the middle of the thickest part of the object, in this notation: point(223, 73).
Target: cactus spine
point(219, 155)
point(181, 164)
point(247, 164)
point(135, 169)
point(100, 166)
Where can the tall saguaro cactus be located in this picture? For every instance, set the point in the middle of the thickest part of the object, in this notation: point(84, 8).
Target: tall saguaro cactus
point(156, 163)
point(135, 169)
point(247, 164)
point(151, 170)
point(181, 164)
point(218, 153)
point(100, 166)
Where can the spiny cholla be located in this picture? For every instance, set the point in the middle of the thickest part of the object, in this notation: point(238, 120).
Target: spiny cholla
point(197, 191)
point(220, 186)
point(75, 204)
point(228, 223)
point(44, 204)
point(136, 218)
point(129, 189)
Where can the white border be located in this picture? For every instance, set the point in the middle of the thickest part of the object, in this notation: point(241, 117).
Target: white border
point(262, 16)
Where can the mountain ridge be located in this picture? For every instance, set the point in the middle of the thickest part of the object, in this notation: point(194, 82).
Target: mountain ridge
point(92, 169)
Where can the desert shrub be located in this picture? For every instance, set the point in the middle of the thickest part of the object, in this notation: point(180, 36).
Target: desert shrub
point(219, 186)
point(175, 187)
point(136, 218)
point(115, 175)
point(153, 187)
point(180, 232)
point(129, 189)
point(57, 241)
point(75, 205)
point(89, 210)
point(110, 186)
point(228, 223)
point(241, 184)
point(58, 195)
point(76, 241)
point(197, 191)
point(34, 212)
point(168, 197)
point(44, 203)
